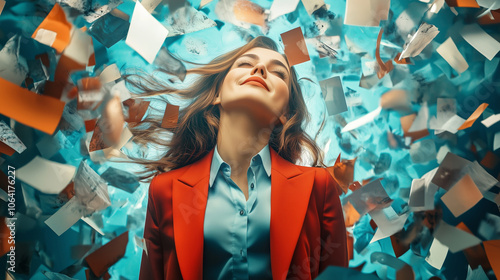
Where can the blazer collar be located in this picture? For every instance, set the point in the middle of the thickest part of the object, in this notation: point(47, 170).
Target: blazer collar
point(290, 191)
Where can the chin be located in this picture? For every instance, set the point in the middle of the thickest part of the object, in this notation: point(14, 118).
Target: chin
point(259, 109)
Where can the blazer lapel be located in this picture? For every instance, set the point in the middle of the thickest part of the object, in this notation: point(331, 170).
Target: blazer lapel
point(189, 201)
point(290, 192)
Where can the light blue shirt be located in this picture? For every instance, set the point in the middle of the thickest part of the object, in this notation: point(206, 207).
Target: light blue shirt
point(236, 231)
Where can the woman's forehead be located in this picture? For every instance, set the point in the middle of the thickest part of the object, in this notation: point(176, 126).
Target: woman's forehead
point(264, 54)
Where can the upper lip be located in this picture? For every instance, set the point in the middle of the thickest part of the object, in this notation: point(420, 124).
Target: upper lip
point(257, 79)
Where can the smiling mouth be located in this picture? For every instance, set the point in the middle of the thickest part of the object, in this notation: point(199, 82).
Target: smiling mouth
point(256, 81)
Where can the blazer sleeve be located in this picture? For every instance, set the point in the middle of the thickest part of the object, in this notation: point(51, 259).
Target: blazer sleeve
point(333, 230)
point(152, 261)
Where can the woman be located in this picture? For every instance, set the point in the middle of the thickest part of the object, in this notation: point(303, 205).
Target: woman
point(232, 204)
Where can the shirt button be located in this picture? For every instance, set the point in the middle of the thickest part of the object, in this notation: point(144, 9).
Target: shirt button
point(242, 212)
point(251, 186)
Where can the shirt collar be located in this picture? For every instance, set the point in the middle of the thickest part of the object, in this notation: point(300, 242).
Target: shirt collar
point(217, 161)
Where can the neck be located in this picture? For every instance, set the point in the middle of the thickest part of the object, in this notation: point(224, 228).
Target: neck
point(240, 138)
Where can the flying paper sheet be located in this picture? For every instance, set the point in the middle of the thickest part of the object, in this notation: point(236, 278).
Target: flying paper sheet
point(333, 94)
point(249, 12)
point(369, 197)
point(448, 50)
point(363, 120)
point(366, 13)
point(45, 175)
point(109, 74)
point(282, 7)
point(66, 216)
point(492, 248)
point(437, 254)
point(170, 117)
point(312, 5)
point(423, 151)
point(424, 35)
point(480, 40)
point(8, 137)
point(13, 67)
point(491, 120)
point(38, 111)
point(449, 171)
point(462, 196)
point(477, 113)
point(455, 239)
point(387, 226)
point(104, 257)
point(146, 34)
point(295, 46)
point(186, 20)
point(54, 31)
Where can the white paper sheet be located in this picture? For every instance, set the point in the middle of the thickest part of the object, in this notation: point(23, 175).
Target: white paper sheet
point(8, 137)
point(491, 120)
point(366, 12)
point(80, 47)
point(333, 93)
point(282, 7)
point(45, 175)
point(420, 122)
point(424, 35)
point(387, 226)
point(455, 239)
point(109, 74)
point(65, 217)
point(146, 34)
point(437, 254)
point(449, 51)
point(480, 40)
point(363, 120)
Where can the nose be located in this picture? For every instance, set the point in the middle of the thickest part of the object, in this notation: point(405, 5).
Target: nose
point(261, 69)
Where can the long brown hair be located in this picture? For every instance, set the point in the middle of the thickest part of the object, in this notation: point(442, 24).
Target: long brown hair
point(197, 127)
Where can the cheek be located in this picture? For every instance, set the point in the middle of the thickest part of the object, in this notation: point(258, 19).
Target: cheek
point(282, 94)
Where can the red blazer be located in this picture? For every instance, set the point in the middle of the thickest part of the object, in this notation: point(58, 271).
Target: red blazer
point(307, 231)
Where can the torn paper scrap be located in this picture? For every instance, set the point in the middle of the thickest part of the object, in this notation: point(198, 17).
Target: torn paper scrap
point(462, 196)
point(455, 239)
point(491, 120)
point(55, 30)
point(333, 93)
point(186, 20)
point(80, 47)
point(492, 248)
point(146, 34)
point(424, 35)
point(363, 120)
point(295, 46)
point(45, 175)
point(13, 67)
point(109, 29)
point(90, 189)
point(312, 5)
point(475, 115)
point(420, 122)
point(423, 151)
point(171, 117)
point(449, 171)
point(448, 50)
point(34, 110)
point(66, 216)
point(480, 40)
point(170, 64)
point(437, 254)
point(121, 179)
point(387, 226)
point(369, 197)
point(109, 74)
point(282, 7)
point(8, 137)
point(366, 13)
point(103, 258)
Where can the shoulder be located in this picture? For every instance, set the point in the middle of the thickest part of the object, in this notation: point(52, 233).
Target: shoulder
point(162, 182)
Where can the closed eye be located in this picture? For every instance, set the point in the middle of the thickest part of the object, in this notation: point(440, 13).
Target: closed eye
point(244, 64)
point(280, 74)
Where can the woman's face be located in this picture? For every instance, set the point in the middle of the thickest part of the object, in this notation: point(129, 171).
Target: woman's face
point(258, 82)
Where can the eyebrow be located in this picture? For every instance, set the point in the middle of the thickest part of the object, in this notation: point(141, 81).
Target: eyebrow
point(273, 61)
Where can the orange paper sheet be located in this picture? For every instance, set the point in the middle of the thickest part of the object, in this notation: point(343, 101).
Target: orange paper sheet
point(136, 109)
point(343, 172)
point(462, 3)
point(490, 160)
point(5, 149)
point(34, 110)
point(485, 20)
point(55, 22)
point(386, 67)
point(406, 123)
point(492, 248)
point(101, 259)
point(295, 46)
point(170, 117)
point(477, 113)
